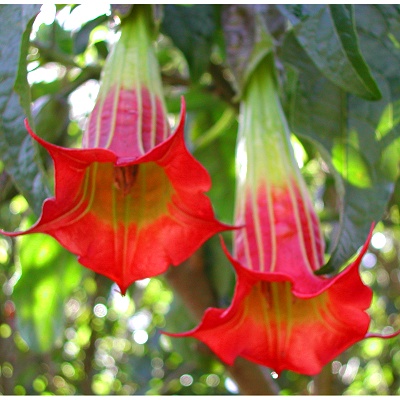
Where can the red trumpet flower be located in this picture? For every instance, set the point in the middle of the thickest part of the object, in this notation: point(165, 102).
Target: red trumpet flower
point(282, 315)
point(131, 201)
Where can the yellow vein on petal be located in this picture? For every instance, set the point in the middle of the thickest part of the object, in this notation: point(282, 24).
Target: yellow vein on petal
point(115, 223)
point(258, 233)
point(139, 105)
point(289, 315)
point(93, 190)
point(307, 209)
point(256, 214)
point(77, 206)
point(299, 236)
point(265, 315)
point(271, 214)
point(333, 321)
point(166, 128)
point(237, 319)
point(98, 123)
point(118, 77)
point(278, 315)
point(323, 316)
point(310, 224)
point(126, 236)
point(248, 193)
point(153, 119)
point(249, 262)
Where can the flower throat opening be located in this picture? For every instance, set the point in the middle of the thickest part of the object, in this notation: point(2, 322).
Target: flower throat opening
point(125, 178)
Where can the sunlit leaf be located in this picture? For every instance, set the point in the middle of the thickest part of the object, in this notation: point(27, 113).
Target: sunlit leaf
point(49, 275)
point(346, 130)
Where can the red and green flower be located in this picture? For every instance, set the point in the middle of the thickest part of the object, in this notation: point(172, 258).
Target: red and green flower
point(282, 315)
point(131, 202)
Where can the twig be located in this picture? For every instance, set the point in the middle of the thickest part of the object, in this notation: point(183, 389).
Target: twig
point(222, 87)
point(102, 285)
point(191, 283)
point(323, 382)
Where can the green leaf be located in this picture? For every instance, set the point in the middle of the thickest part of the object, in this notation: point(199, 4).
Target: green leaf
point(357, 138)
point(51, 116)
point(213, 131)
point(49, 275)
point(219, 160)
point(81, 38)
point(55, 37)
point(343, 19)
point(328, 35)
point(191, 29)
point(17, 150)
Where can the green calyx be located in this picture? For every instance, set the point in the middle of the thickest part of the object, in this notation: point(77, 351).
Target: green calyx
point(132, 63)
point(264, 151)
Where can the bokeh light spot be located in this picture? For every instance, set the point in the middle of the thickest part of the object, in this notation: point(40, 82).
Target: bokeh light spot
point(378, 240)
point(140, 336)
point(369, 260)
point(100, 310)
point(186, 380)
point(212, 380)
point(231, 386)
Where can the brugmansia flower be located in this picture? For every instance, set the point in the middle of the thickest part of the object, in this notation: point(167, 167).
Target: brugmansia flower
point(131, 201)
point(282, 315)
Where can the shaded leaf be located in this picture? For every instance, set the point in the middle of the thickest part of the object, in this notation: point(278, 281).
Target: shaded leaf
point(49, 275)
point(51, 117)
point(191, 29)
point(16, 148)
point(343, 19)
point(53, 36)
point(81, 38)
point(328, 35)
point(102, 49)
point(351, 133)
point(216, 125)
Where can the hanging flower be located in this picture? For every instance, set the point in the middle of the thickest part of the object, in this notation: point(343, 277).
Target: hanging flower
point(131, 201)
point(282, 315)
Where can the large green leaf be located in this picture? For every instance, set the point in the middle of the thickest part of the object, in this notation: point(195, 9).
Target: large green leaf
point(327, 34)
point(357, 138)
point(17, 150)
point(191, 28)
point(49, 275)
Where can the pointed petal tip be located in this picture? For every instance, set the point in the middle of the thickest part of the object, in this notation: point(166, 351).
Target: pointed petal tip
point(183, 107)
point(329, 268)
point(179, 130)
point(370, 335)
point(172, 334)
point(34, 135)
point(14, 234)
point(122, 290)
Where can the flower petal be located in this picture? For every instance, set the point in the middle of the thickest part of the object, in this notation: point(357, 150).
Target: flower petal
point(128, 122)
point(270, 325)
point(161, 219)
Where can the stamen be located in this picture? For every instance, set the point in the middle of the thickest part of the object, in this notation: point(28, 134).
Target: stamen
point(125, 178)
